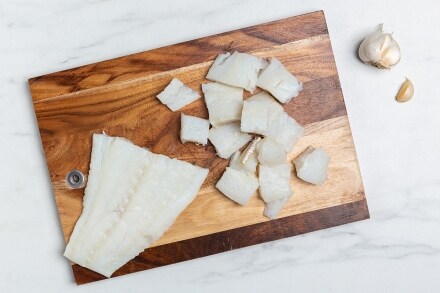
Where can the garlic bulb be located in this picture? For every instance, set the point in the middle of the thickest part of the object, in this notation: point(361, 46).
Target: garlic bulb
point(380, 49)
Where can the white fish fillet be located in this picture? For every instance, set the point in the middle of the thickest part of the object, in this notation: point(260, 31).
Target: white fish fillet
point(271, 153)
point(279, 82)
point(273, 208)
point(224, 102)
point(311, 166)
point(194, 129)
point(238, 185)
point(227, 139)
point(239, 69)
point(274, 181)
point(263, 115)
point(128, 203)
point(177, 95)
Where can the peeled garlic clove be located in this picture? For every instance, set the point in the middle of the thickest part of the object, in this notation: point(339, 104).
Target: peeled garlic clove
point(380, 49)
point(405, 92)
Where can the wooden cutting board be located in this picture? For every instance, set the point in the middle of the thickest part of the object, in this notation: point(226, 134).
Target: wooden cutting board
point(118, 97)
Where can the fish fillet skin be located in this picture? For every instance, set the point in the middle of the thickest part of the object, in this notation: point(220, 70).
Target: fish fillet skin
point(224, 102)
point(227, 139)
point(274, 181)
point(177, 95)
point(194, 129)
point(133, 205)
point(238, 185)
point(273, 208)
point(277, 80)
point(239, 70)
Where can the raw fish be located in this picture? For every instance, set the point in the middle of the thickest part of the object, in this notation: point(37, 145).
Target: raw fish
point(239, 69)
point(273, 208)
point(194, 129)
point(279, 82)
point(227, 139)
point(271, 153)
point(311, 166)
point(128, 203)
point(224, 102)
point(274, 181)
point(238, 185)
point(177, 95)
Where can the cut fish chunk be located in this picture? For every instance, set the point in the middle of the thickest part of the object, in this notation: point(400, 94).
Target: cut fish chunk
point(263, 115)
point(224, 102)
point(238, 185)
point(274, 182)
point(279, 82)
point(311, 166)
point(177, 95)
point(285, 131)
point(246, 161)
point(273, 208)
point(258, 112)
point(271, 153)
point(129, 203)
point(239, 69)
point(227, 139)
point(194, 129)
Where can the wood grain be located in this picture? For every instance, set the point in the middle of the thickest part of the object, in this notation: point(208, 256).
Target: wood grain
point(118, 97)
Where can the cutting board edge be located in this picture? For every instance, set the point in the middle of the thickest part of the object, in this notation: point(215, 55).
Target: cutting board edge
point(183, 250)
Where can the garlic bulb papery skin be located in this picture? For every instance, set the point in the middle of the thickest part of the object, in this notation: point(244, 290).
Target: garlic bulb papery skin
point(380, 49)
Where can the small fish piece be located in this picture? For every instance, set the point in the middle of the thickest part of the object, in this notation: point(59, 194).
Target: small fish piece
point(177, 95)
point(279, 82)
point(274, 182)
point(246, 161)
point(271, 153)
point(263, 115)
point(224, 102)
point(273, 208)
point(285, 131)
point(239, 70)
point(311, 166)
point(129, 203)
point(258, 112)
point(238, 185)
point(194, 129)
point(227, 139)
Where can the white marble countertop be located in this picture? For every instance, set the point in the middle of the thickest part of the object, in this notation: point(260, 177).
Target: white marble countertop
point(397, 250)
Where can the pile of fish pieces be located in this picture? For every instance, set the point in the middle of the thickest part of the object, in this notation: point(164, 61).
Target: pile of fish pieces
point(235, 121)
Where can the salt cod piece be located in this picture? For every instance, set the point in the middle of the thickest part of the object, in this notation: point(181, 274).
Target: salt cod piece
point(237, 185)
point(128, 203)
point(227, 139)
point(263, 115)
point(279, 82)
point(274, 182)
point(224, 102)
point(246, 161)
point(258, 112)
point(194, 129)
point(177, 95)
point(273, 208)
point(271, 153)
point(239, 70)
point(312, 165)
